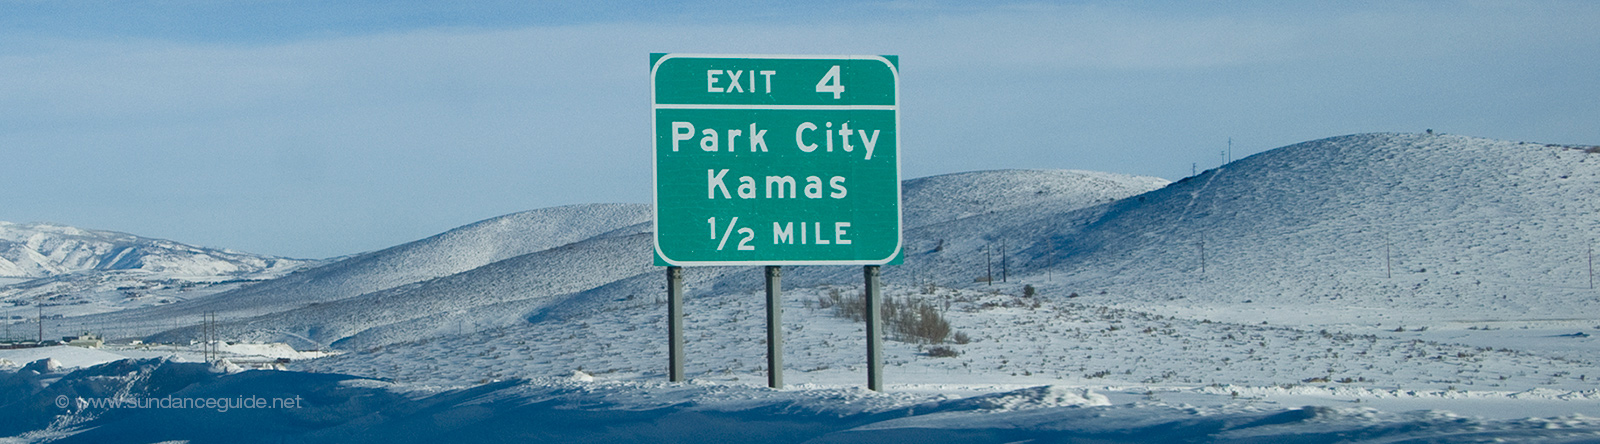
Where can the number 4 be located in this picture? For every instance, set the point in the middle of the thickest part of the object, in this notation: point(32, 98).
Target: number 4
point(830, 83)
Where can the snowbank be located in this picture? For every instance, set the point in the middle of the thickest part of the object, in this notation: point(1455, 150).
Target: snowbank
point(337, 408)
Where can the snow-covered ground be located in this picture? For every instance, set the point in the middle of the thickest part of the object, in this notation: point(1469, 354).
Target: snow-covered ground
point(1016, 342)
point(161, 400)
point(70, 356)
point(1378, 287)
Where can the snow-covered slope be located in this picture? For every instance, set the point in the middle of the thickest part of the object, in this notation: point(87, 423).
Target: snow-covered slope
point(451, 252)
point(1476, 229)
point(950, 219)
point(1299, 211)
point(1390, 271)
point(43, 250)
point(1446, 227)
point(512, 260)
point(71, 271)
point(492, 296)
point(936, 199)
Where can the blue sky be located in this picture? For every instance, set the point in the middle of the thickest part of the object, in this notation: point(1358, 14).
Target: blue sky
point(316, 129)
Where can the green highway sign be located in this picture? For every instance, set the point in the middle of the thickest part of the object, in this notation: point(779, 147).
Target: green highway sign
point(776, 160)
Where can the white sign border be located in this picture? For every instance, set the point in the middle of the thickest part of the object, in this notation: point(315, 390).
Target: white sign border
point(655, 202)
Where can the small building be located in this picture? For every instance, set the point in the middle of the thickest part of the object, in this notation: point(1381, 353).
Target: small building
point(85, 340)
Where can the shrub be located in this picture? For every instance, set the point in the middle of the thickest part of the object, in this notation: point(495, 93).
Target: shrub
point(1027, 291)
point(961, 338)
point(853, 308)
point(921, 321)
point(829, 300)
point(942, 351)
point(906, 319)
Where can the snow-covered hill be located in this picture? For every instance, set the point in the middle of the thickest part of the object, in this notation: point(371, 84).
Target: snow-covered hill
point(73, 271)
point(493, 296)
point(42, 250)
point(1348, 230)
point(936, 199)
point(451, 252)
point(1388, 271)
point(513, 260)
point(1097, 256)
point(455, 251)
point(1476, 230)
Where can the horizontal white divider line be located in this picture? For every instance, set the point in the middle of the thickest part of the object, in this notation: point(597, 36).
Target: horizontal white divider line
point(783, 107)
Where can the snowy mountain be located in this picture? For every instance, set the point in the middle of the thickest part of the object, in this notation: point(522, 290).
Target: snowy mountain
point(451, 252)
point(458, 250)
point(599, 245)
point(1476, 229)
point(943, 198)
point(1306, 292)
point(1117, 277)
point(1345, 229)
point(43, 250)
point(73, 271)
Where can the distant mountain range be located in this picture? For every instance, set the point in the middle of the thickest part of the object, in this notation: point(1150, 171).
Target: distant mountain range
point(1324, 231)
point(74, 271)
point(505, 270)
point(42, 250)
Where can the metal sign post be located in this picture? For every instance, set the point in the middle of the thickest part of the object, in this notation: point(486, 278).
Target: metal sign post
point(874, 307)
point(765, 160)
point(675, 324)
point(774, 327)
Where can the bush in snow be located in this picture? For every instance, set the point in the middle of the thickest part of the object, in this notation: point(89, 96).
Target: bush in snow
point(942, 351)
point(961, 338)
point(906, 319)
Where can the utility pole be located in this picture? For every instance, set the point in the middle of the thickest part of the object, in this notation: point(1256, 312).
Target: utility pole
point(1194, 169)
point(1202, 253)
point(1230, 150)
point(41, 324)
point(1591, 266)
point(988, 263)
point(1388, 267)
point(1004, 270)
point(212, 351)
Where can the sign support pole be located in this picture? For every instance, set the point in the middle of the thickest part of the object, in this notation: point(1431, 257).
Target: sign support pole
point(849, 217)
point(874, 329)
point(675, 324)
point(774, 327)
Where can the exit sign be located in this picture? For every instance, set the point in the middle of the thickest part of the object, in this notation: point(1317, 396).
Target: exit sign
point(776, 160)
